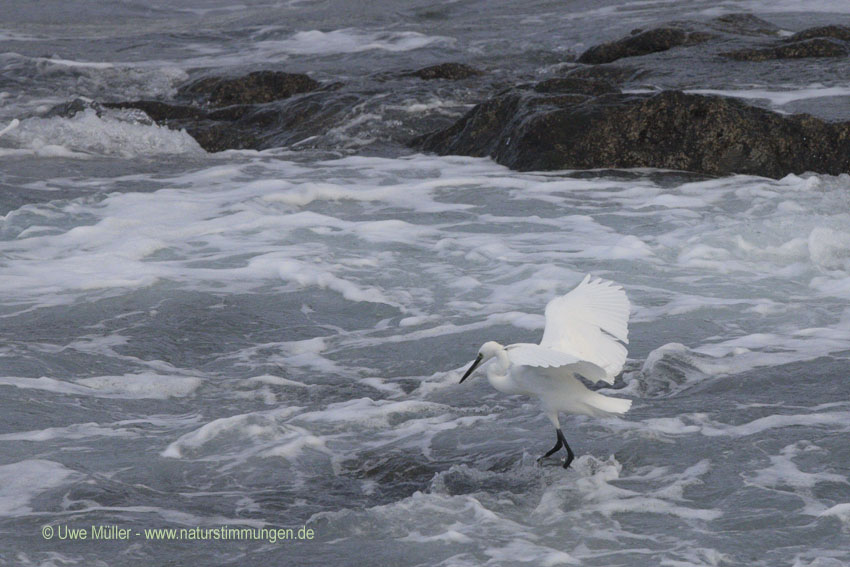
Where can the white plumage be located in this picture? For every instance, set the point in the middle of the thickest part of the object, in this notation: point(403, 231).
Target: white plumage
point(588, 322)
point(582, 337)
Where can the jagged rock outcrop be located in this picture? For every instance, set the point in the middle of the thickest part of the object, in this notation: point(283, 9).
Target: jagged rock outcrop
point(815, 47)
point(579, 119)
point(642, 43)
point(529, 130)
point(448, 71)
point(254, 88)
point(224, 113)
point(825, 41)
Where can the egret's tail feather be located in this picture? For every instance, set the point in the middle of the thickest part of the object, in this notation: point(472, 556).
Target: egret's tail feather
point(602, 406)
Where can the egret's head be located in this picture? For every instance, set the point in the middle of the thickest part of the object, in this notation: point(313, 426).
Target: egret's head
point(487, 351)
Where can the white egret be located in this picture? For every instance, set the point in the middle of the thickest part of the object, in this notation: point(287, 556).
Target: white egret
point(582, 337)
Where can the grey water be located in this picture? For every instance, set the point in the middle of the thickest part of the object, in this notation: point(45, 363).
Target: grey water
point(264, 341)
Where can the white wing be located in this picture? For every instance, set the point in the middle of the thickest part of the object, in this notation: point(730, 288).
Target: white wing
point(527, 354)
point(588, 322)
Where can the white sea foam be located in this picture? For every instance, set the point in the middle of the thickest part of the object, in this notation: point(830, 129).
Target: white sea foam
point(288, 227)
point(368, 412)
point(21, 482)
point(436, 254)
point(702, 423)
point(555, 519)
point(240, 437)
point(836, 419)
point(784, 472)
point(143, 386)
point(674, 367)
point(98, 79)
point(314, 43)
point(12, 125)
point(87, 134)
point(778, 97)
point(784, 6)
point(839, 511)
point(9, 35)
point(72, 63)
point(74, 431)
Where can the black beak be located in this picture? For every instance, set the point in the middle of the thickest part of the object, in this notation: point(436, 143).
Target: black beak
point(472, 368)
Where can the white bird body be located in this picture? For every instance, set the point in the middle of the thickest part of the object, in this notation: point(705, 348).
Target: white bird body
point(581, 337)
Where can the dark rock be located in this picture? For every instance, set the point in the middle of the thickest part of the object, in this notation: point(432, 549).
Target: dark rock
point(272, 125)
point(450, 71)
point(254, 88)
point(669, 130)
point(615, 74)
point(650, 41)
point(479, 133)
point(576, 85)
point(217, 136)
point(743, 24)
point(835, 32)
point(231, 113)
point(815, 47)
point(214, 131)
point(249, 112)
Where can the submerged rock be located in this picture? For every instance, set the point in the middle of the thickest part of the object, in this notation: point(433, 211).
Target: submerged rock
point(743, 24)
point(254, 88)
point(236, 113)
point(218, 137)
point(526, 130)
point(615, 74)
point(815, 47)
point(835, 32)
point(450, 71)
point(642, 43)
point(213, 132)
point(576, 85)
point(580, 119)
point(824, 41)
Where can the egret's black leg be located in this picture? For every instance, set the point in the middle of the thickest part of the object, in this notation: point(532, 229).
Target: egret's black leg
point(562, 442)
point(570, 454)
point(557, 446)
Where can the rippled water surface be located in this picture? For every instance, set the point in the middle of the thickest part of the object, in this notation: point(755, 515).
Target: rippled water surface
point(273, 339)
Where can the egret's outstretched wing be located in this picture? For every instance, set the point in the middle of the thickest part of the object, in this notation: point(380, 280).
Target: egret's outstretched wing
point(527, 354)
point(588, 322)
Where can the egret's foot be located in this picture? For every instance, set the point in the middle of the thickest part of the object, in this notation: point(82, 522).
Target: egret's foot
point(570, 456)
point(551, 452)
point(562, 442)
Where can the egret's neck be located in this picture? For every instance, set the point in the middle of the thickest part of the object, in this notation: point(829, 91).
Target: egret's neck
point(497, 372)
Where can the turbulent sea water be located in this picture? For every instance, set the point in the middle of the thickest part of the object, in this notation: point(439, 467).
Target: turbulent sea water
point(273, 339)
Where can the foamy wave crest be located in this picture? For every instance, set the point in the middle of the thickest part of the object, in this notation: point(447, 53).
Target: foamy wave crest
point(127, 386)
point(21, 482)
point(240, 437)
point(315, 42)
point(97, 79)
point(87, 133)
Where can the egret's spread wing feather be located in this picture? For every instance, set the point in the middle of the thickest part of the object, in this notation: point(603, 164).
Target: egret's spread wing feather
point(527, 354)
point(588, 322)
